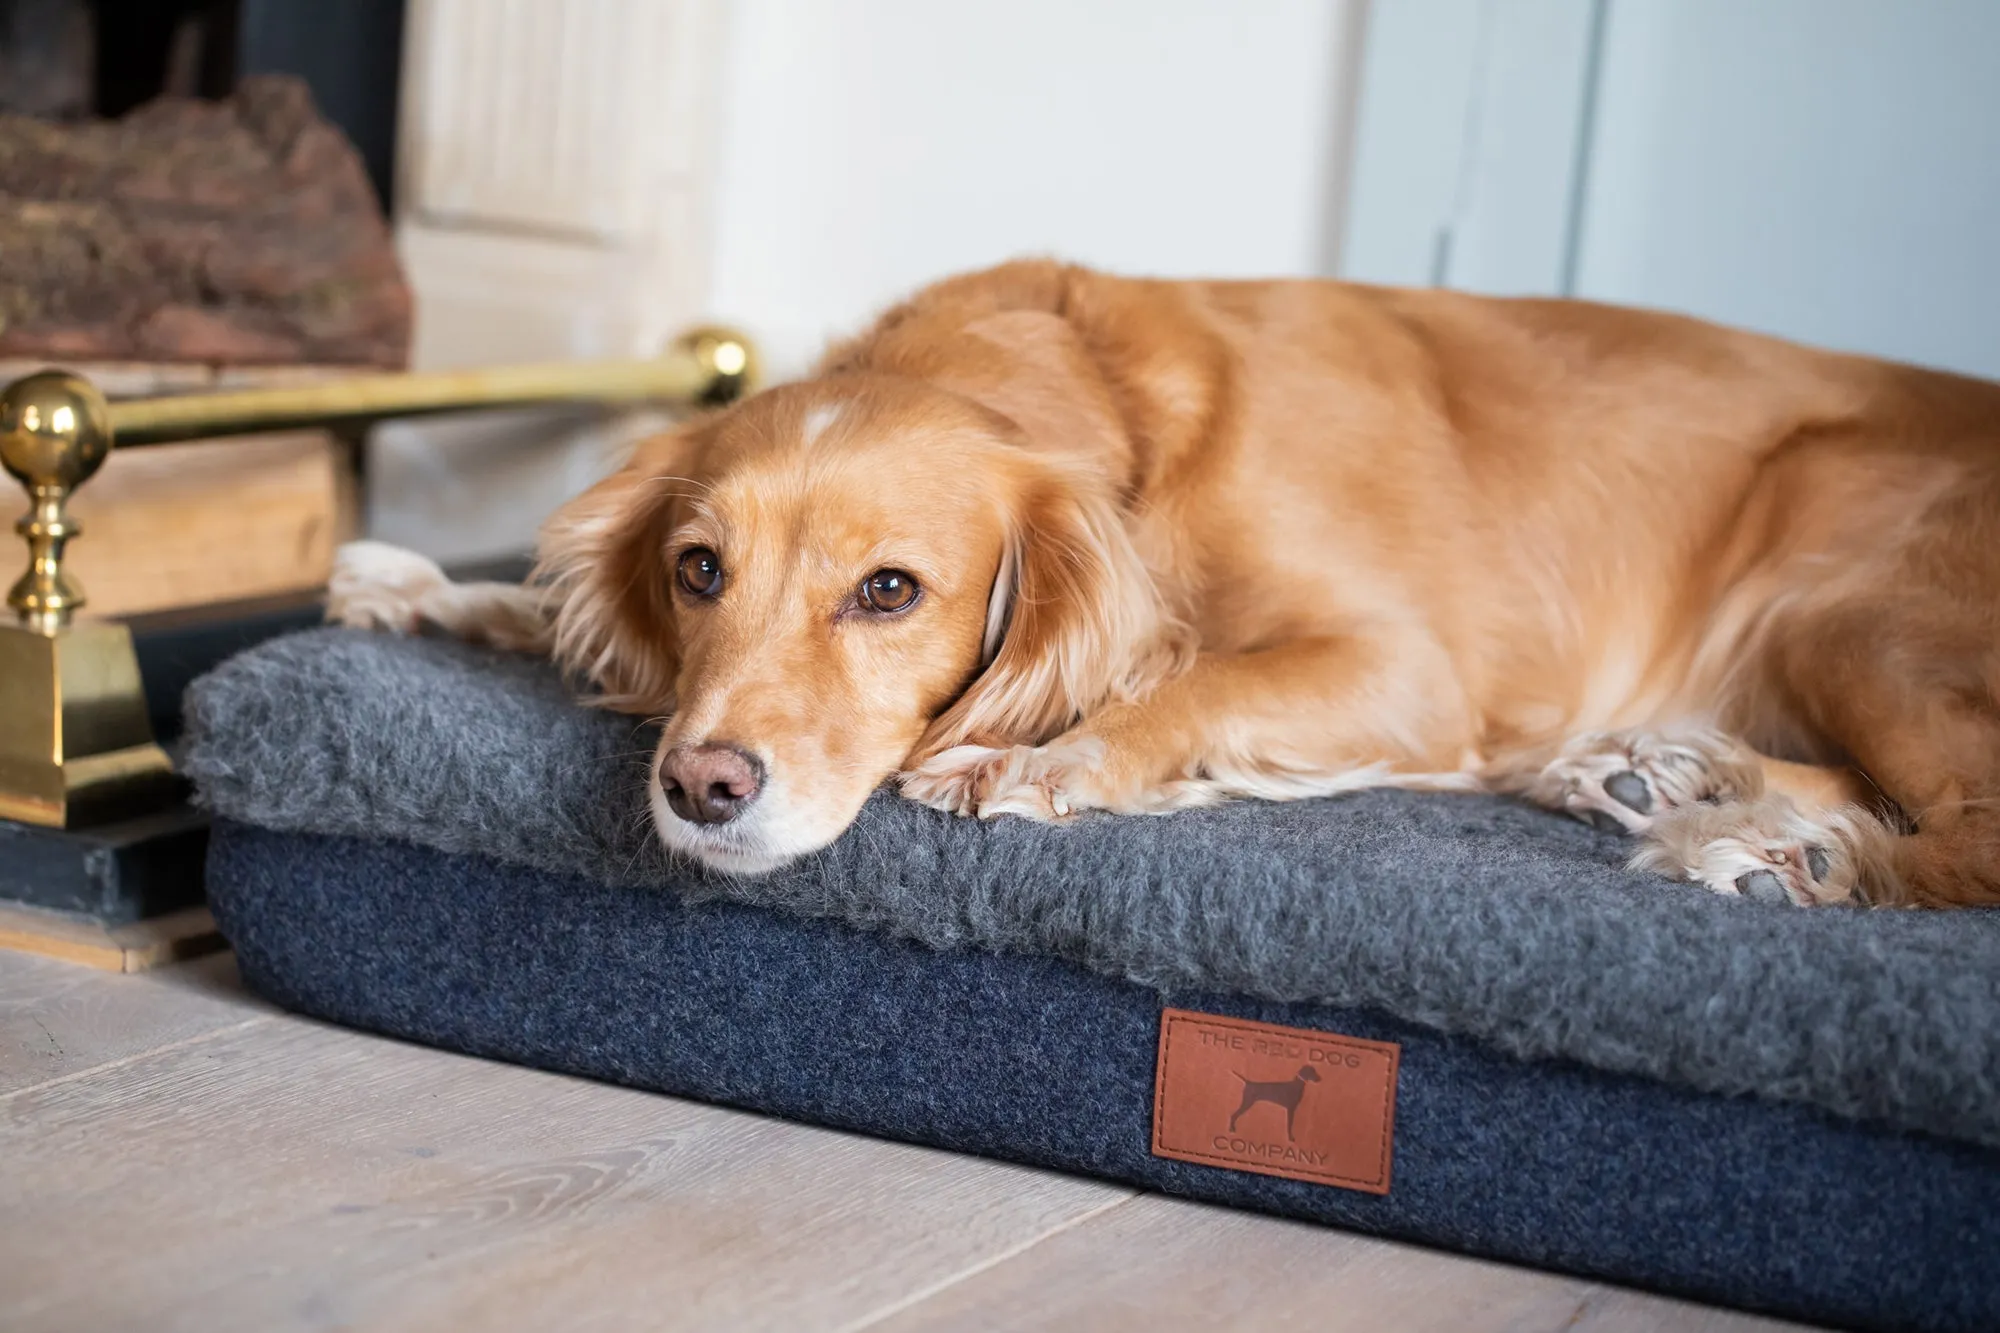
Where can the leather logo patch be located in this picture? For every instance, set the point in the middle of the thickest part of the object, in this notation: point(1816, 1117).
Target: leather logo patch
point(1278, 1101)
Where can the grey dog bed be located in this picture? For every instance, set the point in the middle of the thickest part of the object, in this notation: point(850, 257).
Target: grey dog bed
point(351, 771)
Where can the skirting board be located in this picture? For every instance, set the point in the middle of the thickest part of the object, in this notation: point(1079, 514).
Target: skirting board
point(134, 947)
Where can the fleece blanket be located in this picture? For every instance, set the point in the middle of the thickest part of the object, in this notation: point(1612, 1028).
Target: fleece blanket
point(1466, 915)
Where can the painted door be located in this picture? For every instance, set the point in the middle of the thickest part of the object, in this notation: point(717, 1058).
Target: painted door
point(1827, 170)
point(552, 204)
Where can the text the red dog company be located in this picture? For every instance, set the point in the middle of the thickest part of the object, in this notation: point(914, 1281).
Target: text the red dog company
point(1278, 1101)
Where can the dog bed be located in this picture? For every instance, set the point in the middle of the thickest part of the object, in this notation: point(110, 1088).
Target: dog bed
point(1544, 1058)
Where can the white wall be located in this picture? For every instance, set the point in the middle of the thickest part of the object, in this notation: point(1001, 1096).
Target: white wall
point(1820, 169)
point(868, 146)
point(793, 166)
point(1828, 170)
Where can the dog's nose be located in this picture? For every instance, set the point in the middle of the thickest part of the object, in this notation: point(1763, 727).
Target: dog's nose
point(710, 784)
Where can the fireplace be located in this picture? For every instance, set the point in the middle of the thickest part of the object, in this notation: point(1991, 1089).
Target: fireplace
point(70, 59)
point(175, 217)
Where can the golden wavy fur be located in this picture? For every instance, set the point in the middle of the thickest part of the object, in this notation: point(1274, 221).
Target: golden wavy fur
point(1176, 542)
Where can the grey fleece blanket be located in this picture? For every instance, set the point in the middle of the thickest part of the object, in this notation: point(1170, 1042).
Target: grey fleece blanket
point(1467, 914)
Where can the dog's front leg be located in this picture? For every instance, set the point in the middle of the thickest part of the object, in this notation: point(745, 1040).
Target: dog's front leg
point(383, 587)
point(1305, 719)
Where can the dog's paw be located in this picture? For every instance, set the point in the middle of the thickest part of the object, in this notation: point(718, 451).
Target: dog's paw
point(1768, 851)
point(1044, 782)
point(1625, 781)
point(378, 586)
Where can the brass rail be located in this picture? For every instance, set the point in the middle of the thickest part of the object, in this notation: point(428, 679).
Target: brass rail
point(56, 428)
point(75, 743)
point(707, 366)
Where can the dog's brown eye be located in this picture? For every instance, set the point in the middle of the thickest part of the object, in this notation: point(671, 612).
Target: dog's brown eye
point(700, 571)
point(888, 591)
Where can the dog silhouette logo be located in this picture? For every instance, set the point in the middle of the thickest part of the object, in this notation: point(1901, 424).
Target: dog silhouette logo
point(1287, 1094)
point(1338, 1094)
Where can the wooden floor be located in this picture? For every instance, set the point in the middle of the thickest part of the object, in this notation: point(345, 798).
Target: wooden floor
point(176, 1155)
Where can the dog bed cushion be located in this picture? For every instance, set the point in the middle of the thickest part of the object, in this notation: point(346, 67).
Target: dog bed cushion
point(1600, 1071)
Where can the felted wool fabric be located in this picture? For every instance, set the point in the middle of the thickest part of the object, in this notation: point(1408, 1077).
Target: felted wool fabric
point(1458, 915)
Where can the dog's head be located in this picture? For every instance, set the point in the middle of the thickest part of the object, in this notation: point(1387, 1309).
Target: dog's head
point(843, 576)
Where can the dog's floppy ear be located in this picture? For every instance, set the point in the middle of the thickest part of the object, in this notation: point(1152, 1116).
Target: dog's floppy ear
point(1077, 618)
point(600, 556)
point(1074, 621)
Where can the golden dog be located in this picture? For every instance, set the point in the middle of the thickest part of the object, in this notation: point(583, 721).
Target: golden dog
point(1045, 541)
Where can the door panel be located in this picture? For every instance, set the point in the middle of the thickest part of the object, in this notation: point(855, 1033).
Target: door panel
point(1826, 170)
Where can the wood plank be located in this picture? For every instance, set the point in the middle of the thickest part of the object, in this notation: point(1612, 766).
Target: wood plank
point(287, 1175)
point(118, 379)
point(1155, 1263)
point(212, 521)
point(216, 520)
point(136, 946)
point(149, 379)
point(174, 1153)
point(58, 1020)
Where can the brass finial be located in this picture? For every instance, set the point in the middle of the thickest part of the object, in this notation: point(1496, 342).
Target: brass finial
point(55, 431)
point(728, 361)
